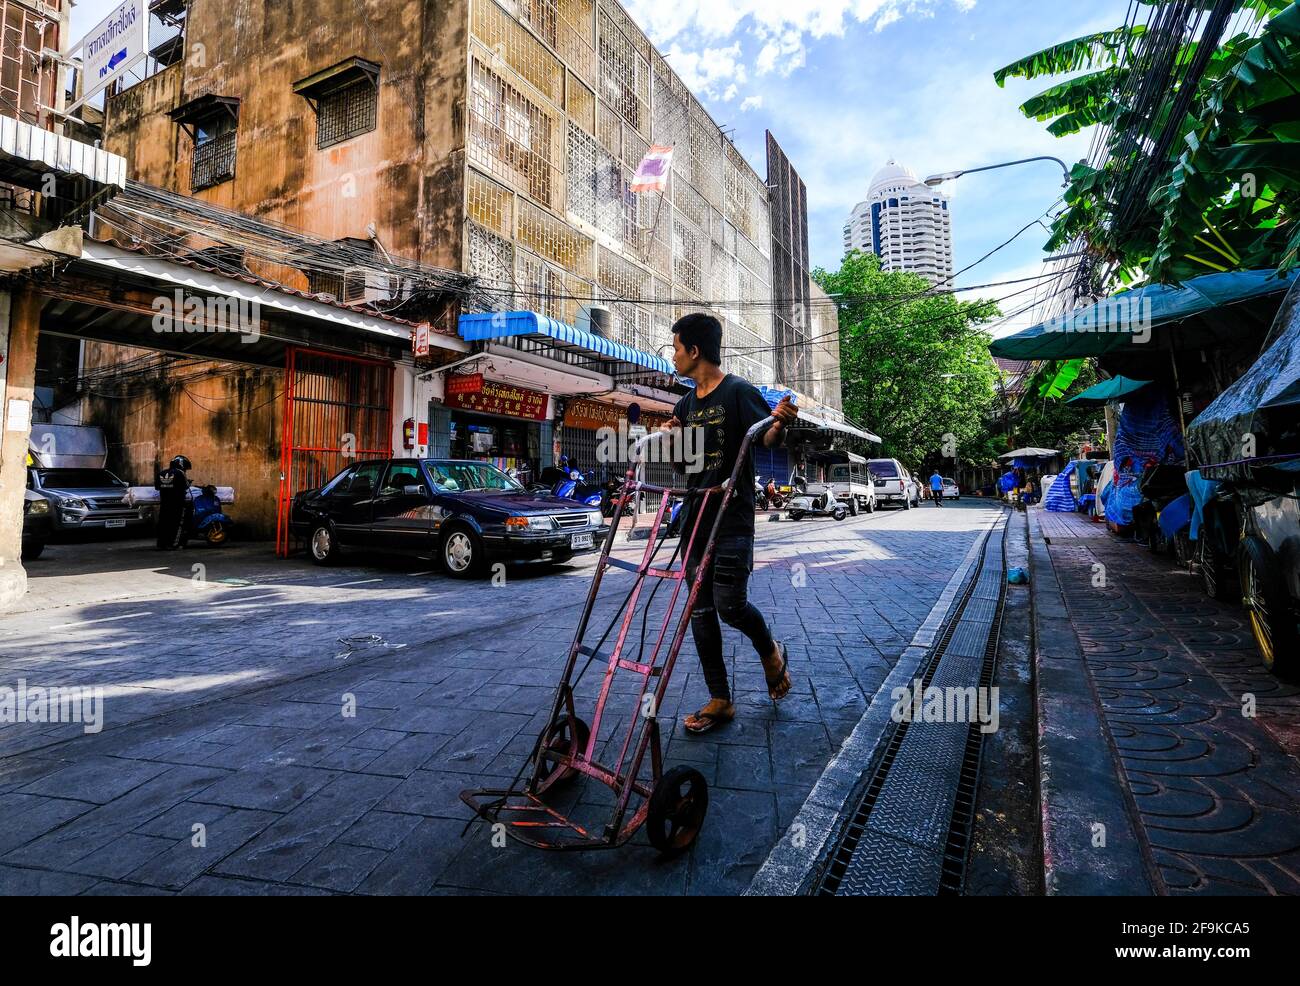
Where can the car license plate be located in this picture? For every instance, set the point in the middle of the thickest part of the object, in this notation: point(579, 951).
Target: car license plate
point(580, 540)
point(114, 523)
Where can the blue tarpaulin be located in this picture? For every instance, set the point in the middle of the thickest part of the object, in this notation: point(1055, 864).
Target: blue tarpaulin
point(1175, 516)
point(1147, 435)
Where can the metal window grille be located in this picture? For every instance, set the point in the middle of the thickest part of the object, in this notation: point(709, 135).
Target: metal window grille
point(492, 258)
point(519, 48)
point(489, 203)
point(347, 112)
point(624, 73)
point(214, 161)
point(512, 136)
point(555, 240)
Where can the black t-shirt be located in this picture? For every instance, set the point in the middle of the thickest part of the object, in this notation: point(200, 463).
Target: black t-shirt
point(730, 410)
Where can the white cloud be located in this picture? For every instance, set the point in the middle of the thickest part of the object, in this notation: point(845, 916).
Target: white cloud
point(781, 29)
point(712, 72)
point(751, 103)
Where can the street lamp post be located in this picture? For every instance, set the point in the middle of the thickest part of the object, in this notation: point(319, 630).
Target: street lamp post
point(939, 179)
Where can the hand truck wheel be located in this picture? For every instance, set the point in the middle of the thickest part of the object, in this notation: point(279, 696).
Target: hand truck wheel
point(567, 735)
point(678, 805)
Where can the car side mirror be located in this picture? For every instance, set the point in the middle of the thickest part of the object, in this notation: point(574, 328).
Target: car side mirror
point(414, 491)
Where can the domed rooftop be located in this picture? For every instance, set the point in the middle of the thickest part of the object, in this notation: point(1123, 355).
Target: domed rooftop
point(892, 173)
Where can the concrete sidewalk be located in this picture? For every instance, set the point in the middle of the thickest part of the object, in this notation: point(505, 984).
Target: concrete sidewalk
point(1155, 776)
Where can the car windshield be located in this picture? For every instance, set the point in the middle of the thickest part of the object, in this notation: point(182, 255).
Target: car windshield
point(78, 479)
point(461, 477)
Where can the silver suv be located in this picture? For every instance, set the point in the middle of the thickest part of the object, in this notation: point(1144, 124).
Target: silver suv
point(86, 499)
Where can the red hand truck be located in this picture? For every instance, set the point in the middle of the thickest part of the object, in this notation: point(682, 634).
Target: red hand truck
point(670, 804)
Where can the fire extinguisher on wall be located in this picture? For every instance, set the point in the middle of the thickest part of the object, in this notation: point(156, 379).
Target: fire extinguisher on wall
point(408, 433)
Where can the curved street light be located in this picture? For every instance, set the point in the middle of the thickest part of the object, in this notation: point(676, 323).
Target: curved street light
point(939, 179)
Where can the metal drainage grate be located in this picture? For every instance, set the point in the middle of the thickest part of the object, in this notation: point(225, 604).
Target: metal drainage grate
point(957, 846)
point(957, 849)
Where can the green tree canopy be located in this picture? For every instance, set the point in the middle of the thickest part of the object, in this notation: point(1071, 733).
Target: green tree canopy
point(914, 363)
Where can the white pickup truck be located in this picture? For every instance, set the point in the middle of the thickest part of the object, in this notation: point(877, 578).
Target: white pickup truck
point(894, 484)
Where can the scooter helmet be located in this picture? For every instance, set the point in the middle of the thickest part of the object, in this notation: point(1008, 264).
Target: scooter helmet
point(182, 463)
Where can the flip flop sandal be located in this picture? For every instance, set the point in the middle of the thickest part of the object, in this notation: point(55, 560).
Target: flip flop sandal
point(779, 677)
point(710, 720)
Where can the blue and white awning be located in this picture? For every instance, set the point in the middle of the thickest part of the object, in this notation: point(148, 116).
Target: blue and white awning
point(558, 335)
point(813, 415)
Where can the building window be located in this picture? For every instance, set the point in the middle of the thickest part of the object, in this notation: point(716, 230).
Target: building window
point(212, 123)
point(345, 99)
point(214, 155)
point(346, 113)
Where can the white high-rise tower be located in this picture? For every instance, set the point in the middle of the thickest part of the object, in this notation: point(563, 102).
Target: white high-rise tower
point(905, 223)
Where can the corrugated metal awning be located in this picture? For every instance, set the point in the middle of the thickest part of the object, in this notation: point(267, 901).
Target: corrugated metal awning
point(28, 154)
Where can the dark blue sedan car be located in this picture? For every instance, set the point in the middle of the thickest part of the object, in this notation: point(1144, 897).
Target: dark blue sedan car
point(468, 514)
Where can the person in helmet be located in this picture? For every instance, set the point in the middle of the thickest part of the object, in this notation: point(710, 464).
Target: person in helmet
point(173, 488)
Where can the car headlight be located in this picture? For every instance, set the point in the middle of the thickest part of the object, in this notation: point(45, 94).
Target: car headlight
point(533, 525)
point(594, 518)
point(40, 506)
point(73, 503)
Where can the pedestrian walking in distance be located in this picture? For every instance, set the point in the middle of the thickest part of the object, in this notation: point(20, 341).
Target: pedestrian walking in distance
point(936, 488)
point(724, 406)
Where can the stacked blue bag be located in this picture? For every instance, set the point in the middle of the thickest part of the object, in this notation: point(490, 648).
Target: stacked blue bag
point(1147, 435)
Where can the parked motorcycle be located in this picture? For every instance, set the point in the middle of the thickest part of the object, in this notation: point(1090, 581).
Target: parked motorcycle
point(816, 500)
point(577, 488)
point(773, 497)
point(207, 519)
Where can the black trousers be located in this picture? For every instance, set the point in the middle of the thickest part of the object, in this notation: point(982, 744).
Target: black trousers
point(724, 595)
point(172, 522)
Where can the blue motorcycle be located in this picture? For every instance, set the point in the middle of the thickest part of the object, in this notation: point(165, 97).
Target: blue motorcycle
point(208, 519)
point(577, 488)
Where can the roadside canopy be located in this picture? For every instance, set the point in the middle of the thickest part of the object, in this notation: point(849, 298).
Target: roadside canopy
point(1108, 390)
point(1127, 321)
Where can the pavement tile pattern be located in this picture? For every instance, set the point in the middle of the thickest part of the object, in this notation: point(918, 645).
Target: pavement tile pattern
point(1217, 792)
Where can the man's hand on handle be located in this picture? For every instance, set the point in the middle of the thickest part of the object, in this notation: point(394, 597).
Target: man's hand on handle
point(785, 413)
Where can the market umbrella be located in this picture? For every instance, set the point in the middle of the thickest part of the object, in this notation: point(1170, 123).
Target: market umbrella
point(1030, 453)
point(1130, 320)
point(1107, 391)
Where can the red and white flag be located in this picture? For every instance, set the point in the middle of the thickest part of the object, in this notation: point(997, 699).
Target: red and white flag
point(652, 173)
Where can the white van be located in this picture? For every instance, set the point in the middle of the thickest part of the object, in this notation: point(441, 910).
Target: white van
point(893, 483)
point(852, 483)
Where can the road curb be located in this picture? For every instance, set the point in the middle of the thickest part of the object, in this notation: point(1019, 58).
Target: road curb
point(1090, 844)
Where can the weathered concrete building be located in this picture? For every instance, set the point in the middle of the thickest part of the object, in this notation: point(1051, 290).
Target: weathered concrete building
point(495, 138)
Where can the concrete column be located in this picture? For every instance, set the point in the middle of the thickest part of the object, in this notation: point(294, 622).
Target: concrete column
point(20, 320)
point(404, 406)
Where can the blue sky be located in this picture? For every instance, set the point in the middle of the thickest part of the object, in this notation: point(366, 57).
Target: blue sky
point(847, 84)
